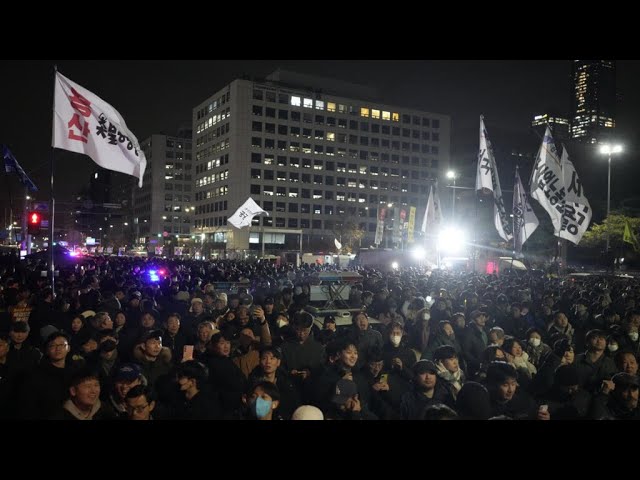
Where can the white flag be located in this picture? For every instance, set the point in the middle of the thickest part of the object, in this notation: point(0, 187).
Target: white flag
point(487, 177)
point(432, 214)
point(338, 244)
point(243, 216)
point(547, 183)
point(577, 210)
point(525, 221)
point(84, 123)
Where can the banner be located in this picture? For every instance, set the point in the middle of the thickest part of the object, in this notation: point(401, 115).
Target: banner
point(576, 216)
point(12, 165)
point(525, 221)
point(337, 243)
point(630, 237)
point(487, 179)
point(84, 123)
point(411, 225)
point(243, 216)
point(380, 226)
point(547, 181)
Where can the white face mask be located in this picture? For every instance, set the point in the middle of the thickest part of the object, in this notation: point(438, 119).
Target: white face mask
point(534, 342)
point(395, 339)
point(281, 323)
point(613, 347)
point(633, 336)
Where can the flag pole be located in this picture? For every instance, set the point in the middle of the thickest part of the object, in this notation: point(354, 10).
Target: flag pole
point(53, 202)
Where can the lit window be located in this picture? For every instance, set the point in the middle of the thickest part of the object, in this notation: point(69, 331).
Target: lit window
point(375, 114)
point(395, 117)
point(364, 112)
point(319, 105)
point(331, 107)
point(307, 103)
point(295, 101)
point(331, 136)
point(386, 116)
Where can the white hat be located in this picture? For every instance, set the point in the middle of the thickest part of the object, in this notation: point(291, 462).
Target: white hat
point(307, 412)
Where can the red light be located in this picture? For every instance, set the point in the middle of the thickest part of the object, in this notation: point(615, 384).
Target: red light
point(161, 272)
point(34, 218)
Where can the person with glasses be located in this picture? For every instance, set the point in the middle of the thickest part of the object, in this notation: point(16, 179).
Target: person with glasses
point(44, 393)
point(141, 403)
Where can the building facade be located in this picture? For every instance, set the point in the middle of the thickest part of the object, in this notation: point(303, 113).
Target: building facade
point(559, 126)
point(163, 207)
point(593, 100)
point(313, 160)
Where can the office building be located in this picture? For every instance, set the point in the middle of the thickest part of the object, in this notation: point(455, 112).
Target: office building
point(311, 156)
point(593, 100)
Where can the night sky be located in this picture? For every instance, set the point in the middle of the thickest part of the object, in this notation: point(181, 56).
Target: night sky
point(158, 96)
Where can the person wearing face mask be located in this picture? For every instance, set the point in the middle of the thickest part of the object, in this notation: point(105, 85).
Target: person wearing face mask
point(199, 403)
point(629, 339)
point(535, 347)
point(612, 346)
point(261, 402)
point(396, 355)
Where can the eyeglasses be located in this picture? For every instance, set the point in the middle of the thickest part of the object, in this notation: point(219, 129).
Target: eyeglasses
point(54, 346)
point(138, 409)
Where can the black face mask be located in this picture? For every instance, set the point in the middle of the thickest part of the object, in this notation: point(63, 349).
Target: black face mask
point(108, 346)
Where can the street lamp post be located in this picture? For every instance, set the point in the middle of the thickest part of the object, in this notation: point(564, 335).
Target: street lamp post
point(607, 149)
point(452, 175)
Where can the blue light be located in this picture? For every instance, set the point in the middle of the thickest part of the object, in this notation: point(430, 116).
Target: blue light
point(152, 272)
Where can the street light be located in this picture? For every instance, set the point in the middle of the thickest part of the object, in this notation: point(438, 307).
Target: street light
point(452, 175)
point(607, 149)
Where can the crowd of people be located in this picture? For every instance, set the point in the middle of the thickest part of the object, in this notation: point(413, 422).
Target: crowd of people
point(236, 340)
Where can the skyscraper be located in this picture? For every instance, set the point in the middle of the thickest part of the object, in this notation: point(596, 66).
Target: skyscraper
point(593, 100)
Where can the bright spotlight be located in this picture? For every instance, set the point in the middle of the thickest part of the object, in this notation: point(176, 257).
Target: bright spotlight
point(419, 253)
point(451, 240)
point(394, 265)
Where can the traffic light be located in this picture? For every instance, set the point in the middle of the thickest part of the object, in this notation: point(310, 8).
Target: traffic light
point(33, 223)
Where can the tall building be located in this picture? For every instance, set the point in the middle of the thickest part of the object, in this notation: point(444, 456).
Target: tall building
point(559, 126)
point(593, 100)
point(163, 206)
point(313, 159)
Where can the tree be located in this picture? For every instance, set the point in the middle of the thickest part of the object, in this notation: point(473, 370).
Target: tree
point(596, 236)
point(348, 232)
